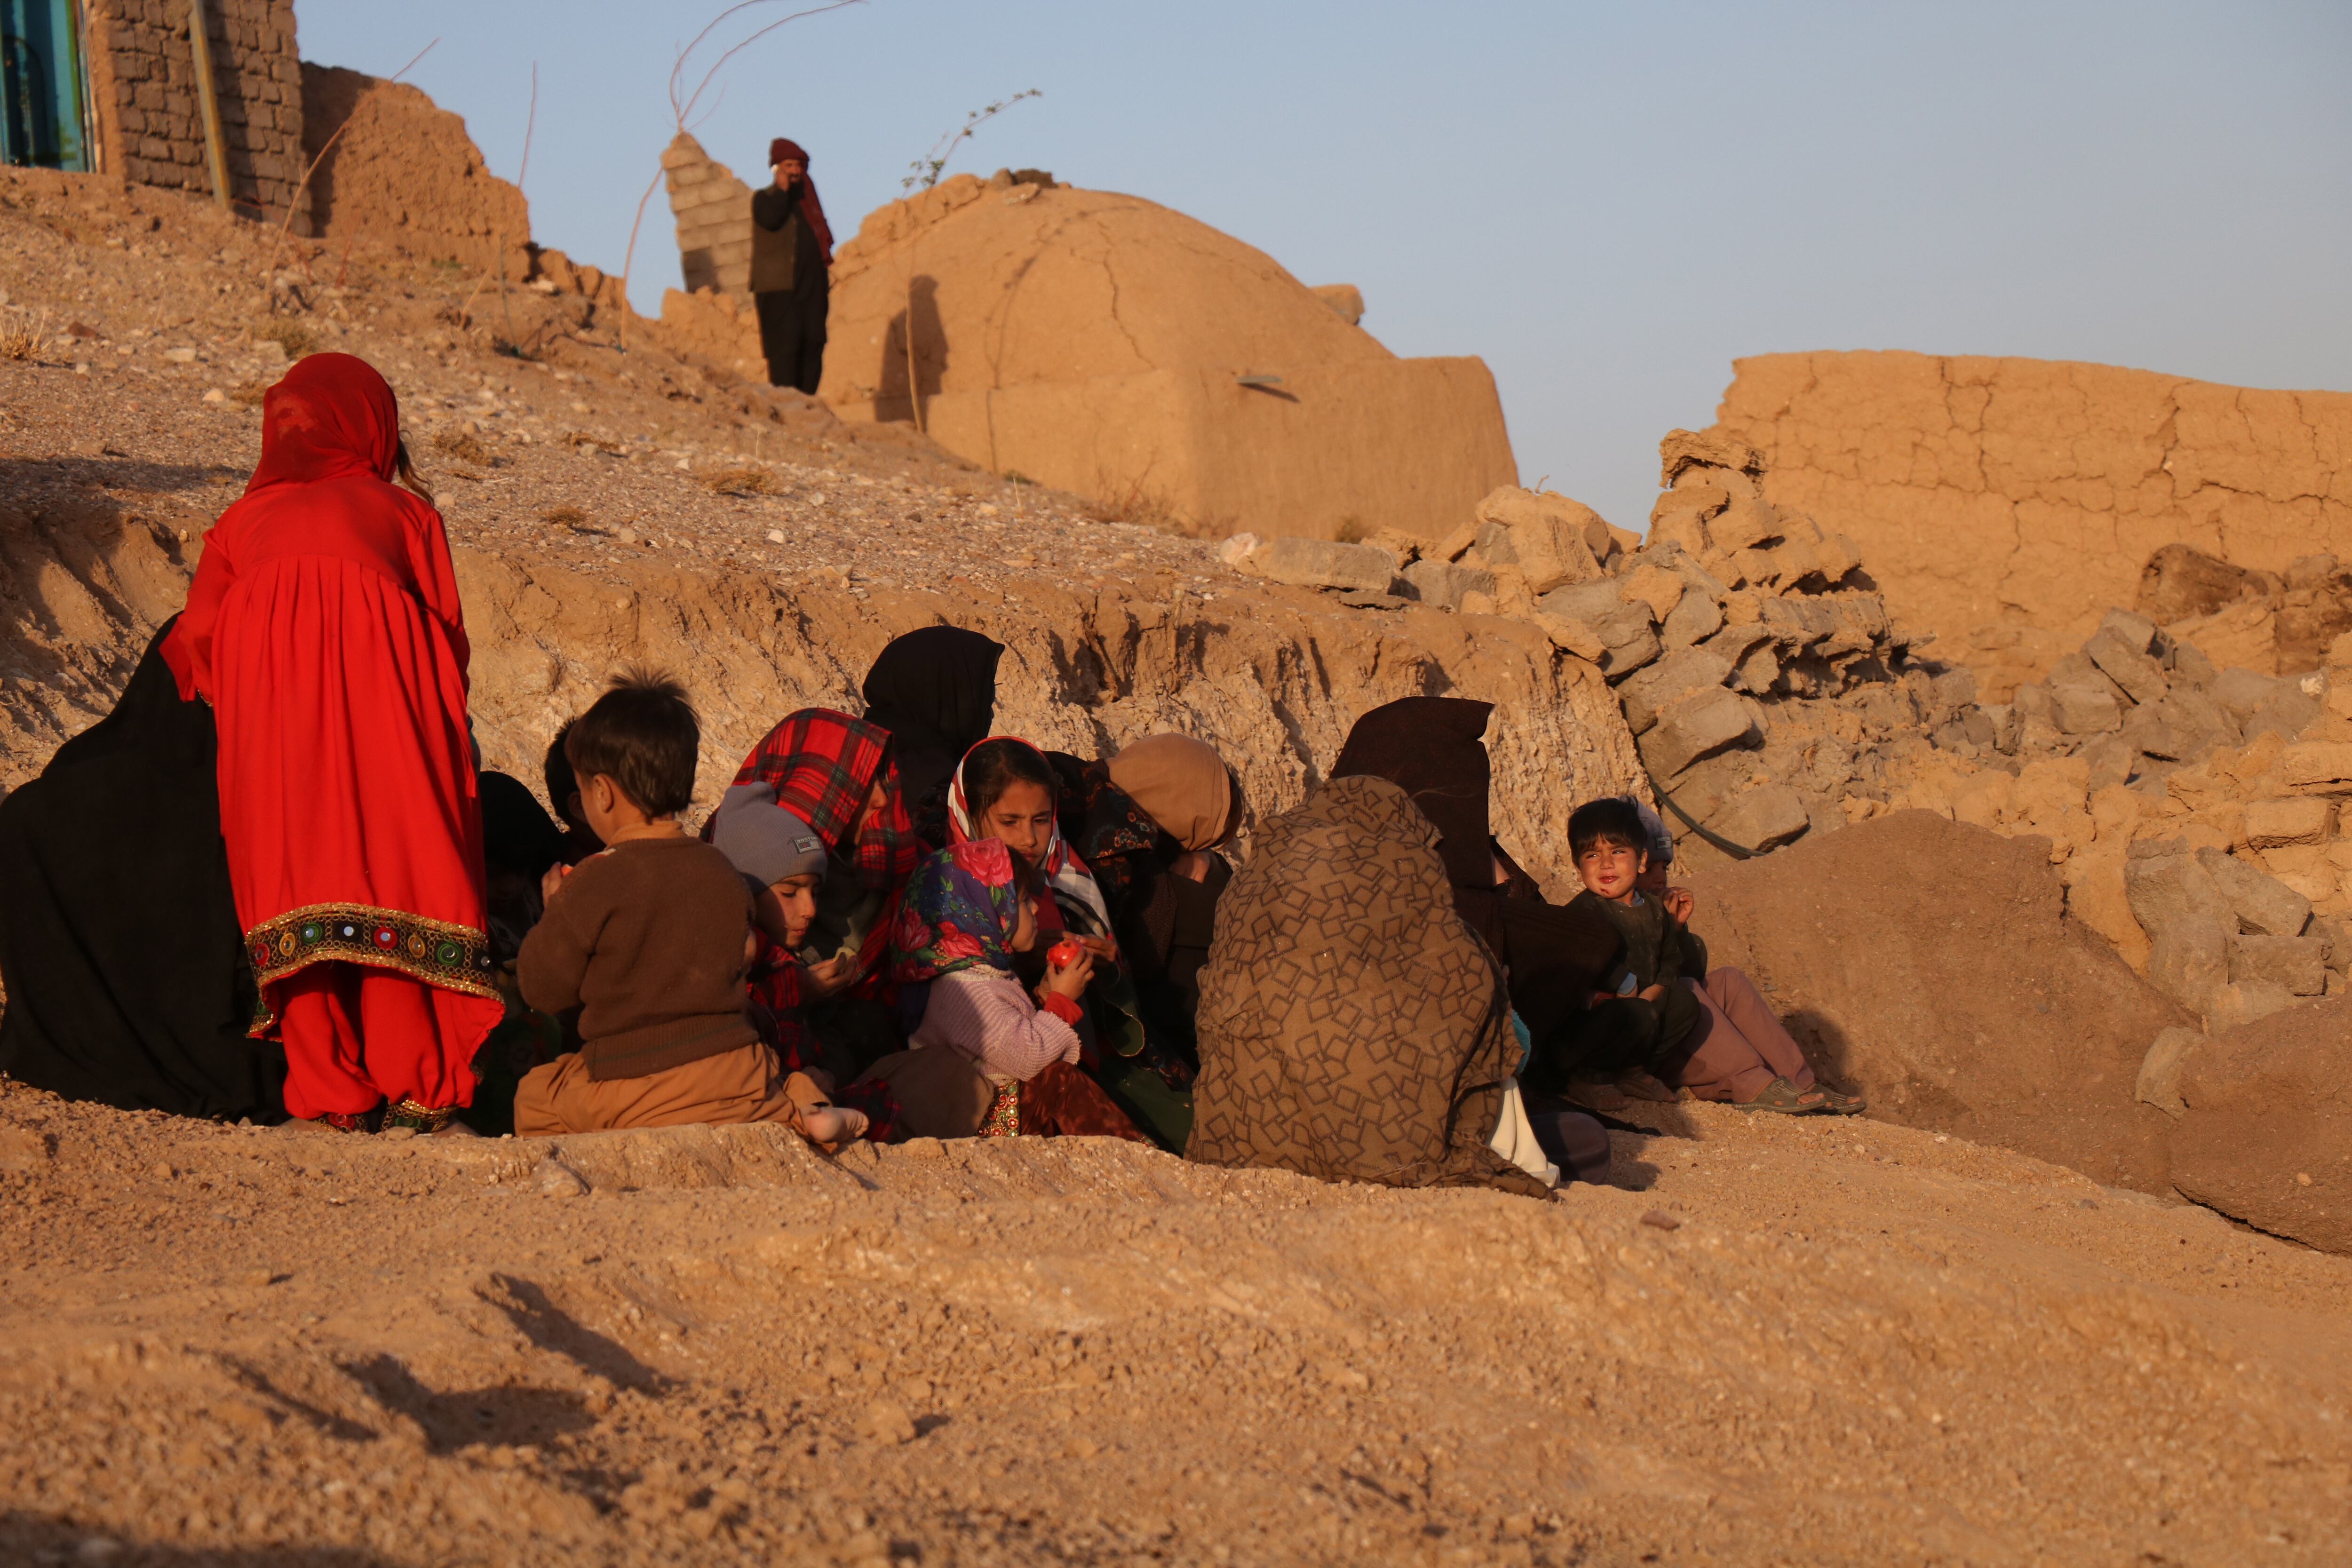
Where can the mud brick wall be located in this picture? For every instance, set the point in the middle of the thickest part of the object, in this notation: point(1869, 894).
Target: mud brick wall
point(150, 120)
point(713, 209)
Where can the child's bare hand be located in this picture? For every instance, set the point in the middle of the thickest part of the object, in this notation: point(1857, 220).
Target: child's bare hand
point(1678, 903)
point(1070, 980)
point(552, 880)
point(1102, 947)
point(829, 977)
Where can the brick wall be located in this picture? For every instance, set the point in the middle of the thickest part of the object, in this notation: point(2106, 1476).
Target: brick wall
point(713, 209)
point(150, 120)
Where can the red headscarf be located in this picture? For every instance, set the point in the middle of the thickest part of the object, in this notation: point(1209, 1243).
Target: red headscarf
point(331, 416)
point(784, 147)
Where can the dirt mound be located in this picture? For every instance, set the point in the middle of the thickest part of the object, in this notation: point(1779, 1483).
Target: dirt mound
point(708, 1346)
point(405, 173)
point(2006, 503)
point(1109, 346)
point(2266, 1136)
point(1931, 964)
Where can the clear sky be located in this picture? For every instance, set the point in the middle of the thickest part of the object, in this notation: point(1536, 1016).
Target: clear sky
point(1608, 202)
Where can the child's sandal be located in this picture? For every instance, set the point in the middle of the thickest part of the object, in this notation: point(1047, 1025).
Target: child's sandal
point(1785, 1099)
point(1838, 1104)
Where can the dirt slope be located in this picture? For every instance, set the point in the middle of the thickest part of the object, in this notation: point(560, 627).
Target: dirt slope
point(1862, 1344)
point(1932, 964)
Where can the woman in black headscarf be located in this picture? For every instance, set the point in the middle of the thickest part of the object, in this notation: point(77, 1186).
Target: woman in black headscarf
point(120, 945)
point(1434, 748)
point(935, 690)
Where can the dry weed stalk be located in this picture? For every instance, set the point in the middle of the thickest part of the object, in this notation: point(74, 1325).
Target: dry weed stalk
point(25, 338)
point(681, 110)
point(744, 482)
point(922, 175)
point(570, 516)
point(293, 337)
point(463, 446)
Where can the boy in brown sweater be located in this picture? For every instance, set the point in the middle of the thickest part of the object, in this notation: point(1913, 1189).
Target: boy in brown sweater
point(649, 940)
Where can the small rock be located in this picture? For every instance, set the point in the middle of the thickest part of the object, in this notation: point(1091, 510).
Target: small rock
point(558, 1180)
point(215, 395)
point(1669, 680)
point(1325, 564)
point(2279, 823)
point(2141, 677)
point(1697, 726)
point(2159, 1070)
point(1572, 637)
point(23, 1149)
point(1697, 618)
point(923, 1148)
point(181, 356)
point(2234, 1004)
point(2297, 962)
point(2264, 905)
point(1232, 551)
point(886, 1421)
point(1659, 1219)
point(2188, 960)
point(1761, 818)
point(2084, 711)
point(1442, 583)
point(775, 536)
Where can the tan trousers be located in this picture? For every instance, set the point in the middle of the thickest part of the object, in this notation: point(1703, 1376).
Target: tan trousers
point(747, 1083)
point(1739, 1047)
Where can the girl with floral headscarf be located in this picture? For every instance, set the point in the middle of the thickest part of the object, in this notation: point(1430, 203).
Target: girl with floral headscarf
point(969, 910)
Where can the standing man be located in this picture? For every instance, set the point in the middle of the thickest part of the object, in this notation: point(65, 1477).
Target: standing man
point(792, 250)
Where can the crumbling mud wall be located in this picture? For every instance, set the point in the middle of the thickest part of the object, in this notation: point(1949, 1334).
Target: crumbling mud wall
point(151, 128)
point(2006, 504)
point(713, 212)
point(714, 314)
point(405, 173)
point(1105, 345)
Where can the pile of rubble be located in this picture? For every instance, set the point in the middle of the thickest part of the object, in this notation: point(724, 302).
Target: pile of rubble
point(2201, 827)
point(1769, 691)
point(1771, 695)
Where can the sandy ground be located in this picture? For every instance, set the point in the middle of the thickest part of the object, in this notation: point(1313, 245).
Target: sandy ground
point(1771, 1341)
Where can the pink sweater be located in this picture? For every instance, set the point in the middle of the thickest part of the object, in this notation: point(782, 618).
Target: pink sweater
point(986, 1015)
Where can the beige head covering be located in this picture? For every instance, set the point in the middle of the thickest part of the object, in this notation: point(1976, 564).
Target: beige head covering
point(1182, 783)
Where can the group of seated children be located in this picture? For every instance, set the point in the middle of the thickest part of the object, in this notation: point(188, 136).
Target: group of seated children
point(657, 942)
point(663, 946)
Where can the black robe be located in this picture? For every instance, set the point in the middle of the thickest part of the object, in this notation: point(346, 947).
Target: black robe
point(126, 972)
point(1556, 955)
point(935, 690)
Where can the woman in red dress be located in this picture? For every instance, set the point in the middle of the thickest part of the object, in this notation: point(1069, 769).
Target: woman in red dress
point(323, 626)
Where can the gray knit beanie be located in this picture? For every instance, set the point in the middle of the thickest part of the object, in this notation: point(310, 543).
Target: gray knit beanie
point(765, 842)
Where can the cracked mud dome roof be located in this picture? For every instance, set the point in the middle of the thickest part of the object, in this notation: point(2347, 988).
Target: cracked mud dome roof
point(1098, 342)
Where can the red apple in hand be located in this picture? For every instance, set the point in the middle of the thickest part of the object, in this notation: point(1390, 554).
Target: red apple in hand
point(1064, 953)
